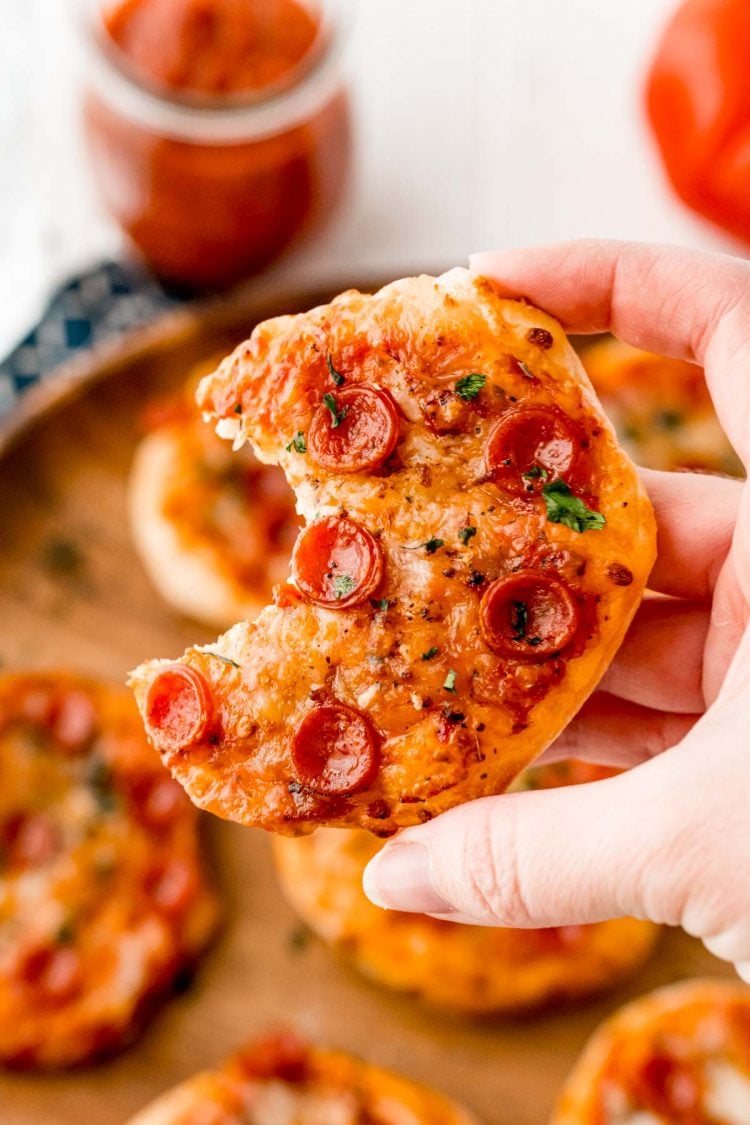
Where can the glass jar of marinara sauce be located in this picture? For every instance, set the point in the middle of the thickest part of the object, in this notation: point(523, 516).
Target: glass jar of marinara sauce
point(219, 130)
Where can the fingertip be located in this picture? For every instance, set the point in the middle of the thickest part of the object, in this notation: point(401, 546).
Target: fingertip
point(400, 878)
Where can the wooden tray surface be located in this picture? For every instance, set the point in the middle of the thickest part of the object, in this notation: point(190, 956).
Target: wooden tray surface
point(72, 593)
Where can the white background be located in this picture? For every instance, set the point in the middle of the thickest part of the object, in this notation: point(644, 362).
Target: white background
point(481, 123)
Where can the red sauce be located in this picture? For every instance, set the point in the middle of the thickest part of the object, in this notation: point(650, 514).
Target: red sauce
point(207, 214)
point(212, 47)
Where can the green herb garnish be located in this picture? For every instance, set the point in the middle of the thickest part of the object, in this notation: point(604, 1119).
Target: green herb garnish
point(337, 377)
point(337, 416)
point(466, 533)
point(432, 545)
point(238, 408)
point(536, 472)
point(99, 781)
point(298, 443)
point(450, 681)
point(343, 584)
point(223, 659)
point(519, 619)
point(470, 385)
point(66, 933)
point(565, 508)
point(431, 653)
point(382, 604)
point(669, 419)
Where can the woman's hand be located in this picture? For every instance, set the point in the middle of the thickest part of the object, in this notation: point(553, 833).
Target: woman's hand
point(668, 840)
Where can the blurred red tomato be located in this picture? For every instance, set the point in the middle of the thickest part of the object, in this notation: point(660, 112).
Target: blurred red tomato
point(698, 101)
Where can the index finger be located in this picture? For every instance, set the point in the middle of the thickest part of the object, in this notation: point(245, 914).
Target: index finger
point(681, 303)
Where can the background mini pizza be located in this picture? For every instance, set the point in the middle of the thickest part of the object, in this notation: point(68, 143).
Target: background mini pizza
point(661, 409)
point(678, 1056)
point(103, 896)
point(475, 546)
point(214, 528)
point(281, 1079)
point(470, 969)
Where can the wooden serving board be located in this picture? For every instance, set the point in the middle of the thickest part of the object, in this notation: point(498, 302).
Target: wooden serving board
point(72, 593)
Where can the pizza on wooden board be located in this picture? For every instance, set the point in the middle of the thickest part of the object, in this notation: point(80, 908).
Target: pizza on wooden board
point(214, 527)
point(475, 546)
point(103, 896)
point(475, 970)
point(677, 1056)
point(282, 1079)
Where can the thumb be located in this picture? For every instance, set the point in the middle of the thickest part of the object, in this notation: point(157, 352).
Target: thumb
point(534, 859)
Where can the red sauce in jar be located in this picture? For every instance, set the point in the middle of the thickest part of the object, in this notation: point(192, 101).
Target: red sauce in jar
point(207, 212)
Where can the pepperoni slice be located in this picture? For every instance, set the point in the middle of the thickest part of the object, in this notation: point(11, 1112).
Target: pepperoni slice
point(529, 616)
point(668, 1086)
point(56, 974)
point(531, 446)
point(178, 707)
point(365, 435)
point(335, 750)
point(336, 563)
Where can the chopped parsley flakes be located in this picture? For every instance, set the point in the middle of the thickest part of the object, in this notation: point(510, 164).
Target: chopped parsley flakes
point(519, 619)
point(337, 377)
point(223, 659)
point(536, 472)
point(382, 604)
point(466, 533)
point(343, 584)
point(431, 653)
point(565, 508)
point(469, 386)
point(337, 416)
point(298, 443)
point(450, 681)
point(432, 545)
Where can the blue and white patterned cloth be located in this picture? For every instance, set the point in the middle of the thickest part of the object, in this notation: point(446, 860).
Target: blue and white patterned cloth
point(109, 300)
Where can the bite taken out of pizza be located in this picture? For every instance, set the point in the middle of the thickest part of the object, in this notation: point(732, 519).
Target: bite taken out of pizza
point(474, 548)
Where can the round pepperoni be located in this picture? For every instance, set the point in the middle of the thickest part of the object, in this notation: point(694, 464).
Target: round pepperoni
point(336, 563)
point(529, 616)
point(178, 707)
point(356, 431)
point(531, 446)
point(335, 750)
point(55, 973)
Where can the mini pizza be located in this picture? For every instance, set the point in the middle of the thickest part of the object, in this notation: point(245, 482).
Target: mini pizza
point(678, 1056)
point(661, 409)
point(103, 898)
point(214, 529)
point(281, 1080)
point(475, 545)
point(474, 970)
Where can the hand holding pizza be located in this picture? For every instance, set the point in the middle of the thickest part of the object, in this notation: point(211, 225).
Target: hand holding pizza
point(668, 840)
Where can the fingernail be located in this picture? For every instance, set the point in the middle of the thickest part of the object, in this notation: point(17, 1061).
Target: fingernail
point(398, 878)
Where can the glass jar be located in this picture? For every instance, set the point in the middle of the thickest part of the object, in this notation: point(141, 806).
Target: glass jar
point(213, 159)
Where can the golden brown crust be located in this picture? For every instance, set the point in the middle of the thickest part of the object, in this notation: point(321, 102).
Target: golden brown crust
point(661, 409)
point(282, 1079)
point(451, 715)
point(471, 969)
point(679, 1056)
point(213, 527)
point(103, 897)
